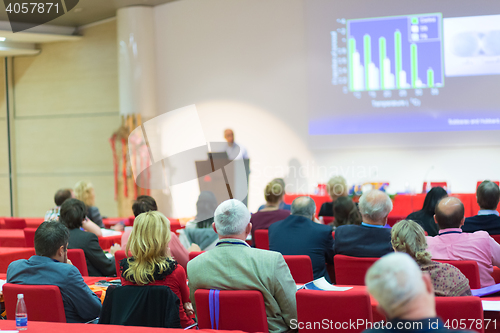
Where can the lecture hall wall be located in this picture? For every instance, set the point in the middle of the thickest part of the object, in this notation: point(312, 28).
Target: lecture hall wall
point(244, 65)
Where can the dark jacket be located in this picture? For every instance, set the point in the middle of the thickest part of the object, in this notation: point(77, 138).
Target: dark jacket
point(489, 223)
point(361, 241)
point(95, 216)
point(326, 209)
point(151, 306)
point(298, 235)
point(97, 263)
point(426, 221)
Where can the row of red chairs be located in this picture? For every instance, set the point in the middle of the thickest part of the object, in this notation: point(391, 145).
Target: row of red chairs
point(245, 309)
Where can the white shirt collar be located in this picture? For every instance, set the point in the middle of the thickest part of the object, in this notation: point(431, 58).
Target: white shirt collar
point(487, 212)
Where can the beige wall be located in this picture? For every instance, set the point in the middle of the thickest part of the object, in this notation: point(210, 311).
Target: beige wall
point(4, 161)
point(66, 108)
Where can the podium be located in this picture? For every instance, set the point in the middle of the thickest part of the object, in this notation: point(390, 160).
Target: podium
point(225, 178)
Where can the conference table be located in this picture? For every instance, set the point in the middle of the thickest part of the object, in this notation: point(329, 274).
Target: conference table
point(15, 238)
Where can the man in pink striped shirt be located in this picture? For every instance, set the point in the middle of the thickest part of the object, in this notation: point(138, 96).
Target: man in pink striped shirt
point(452, 244)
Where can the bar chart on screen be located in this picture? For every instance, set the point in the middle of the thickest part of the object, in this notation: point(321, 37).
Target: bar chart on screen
point(397, 52)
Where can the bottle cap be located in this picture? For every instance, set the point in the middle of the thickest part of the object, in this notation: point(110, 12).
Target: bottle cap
point(20, 296)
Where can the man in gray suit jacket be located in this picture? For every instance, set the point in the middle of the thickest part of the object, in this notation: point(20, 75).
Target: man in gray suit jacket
point(234, 265)
point(49, 267)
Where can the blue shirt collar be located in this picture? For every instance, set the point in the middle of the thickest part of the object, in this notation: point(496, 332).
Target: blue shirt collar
point(371, 225)
point(487, 212)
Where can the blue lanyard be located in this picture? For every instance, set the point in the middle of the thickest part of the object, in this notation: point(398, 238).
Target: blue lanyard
point(232, 243)
point(450, 232)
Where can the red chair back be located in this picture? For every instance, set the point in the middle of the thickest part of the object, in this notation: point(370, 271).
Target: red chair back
point(463, 309)
point(194, 254)
point(14, 223)
point(261, 240)
point(351, 270)
point(468, 268)
point(496, 238)
point(300, 267)
point(29, 236)
point(77, 257)
point(496, 274)
point(43, 302)
point(119, 256)
point(238, 310)
point(337, 307)
point(130, 221)
point(174, 224)
point(328, 219)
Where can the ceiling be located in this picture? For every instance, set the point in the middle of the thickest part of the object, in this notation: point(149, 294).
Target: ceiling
point(90, 11)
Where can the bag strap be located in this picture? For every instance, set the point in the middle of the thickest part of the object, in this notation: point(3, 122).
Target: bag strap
point(213, 307)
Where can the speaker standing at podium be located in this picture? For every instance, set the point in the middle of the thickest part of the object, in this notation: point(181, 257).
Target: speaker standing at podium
point(232, 147)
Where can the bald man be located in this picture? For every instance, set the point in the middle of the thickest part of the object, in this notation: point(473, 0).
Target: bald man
point(234, 150)
point(452, 244)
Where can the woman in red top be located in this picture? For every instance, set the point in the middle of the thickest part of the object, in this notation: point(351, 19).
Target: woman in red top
point(152, 263)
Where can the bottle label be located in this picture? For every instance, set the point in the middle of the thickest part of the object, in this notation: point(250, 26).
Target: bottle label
point(22, 322)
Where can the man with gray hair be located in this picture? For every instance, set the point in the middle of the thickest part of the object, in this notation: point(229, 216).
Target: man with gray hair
point(234, 265)
point(404, 293)
point(371, 238)
point(298, 234)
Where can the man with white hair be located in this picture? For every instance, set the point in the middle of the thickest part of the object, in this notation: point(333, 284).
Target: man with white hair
point(371, 238)
point(234, 265)
point(404, 293)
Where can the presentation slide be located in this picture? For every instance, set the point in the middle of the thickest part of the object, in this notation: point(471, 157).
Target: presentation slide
point(403, 66)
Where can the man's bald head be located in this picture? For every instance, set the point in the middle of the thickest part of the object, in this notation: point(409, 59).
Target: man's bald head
point(303, 206)
point(449, 213)
point(229, 136)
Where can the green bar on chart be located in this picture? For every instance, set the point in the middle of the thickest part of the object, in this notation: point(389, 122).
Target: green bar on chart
point(398, 58)
point(414, 68)
point(382, 56)
point(368, 59)
point(430, 78)
point(351, 50)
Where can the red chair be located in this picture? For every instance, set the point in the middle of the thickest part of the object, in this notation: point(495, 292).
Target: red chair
point(29, 236)
point(194, 254)
point(351, 270)
point(496, 274)
point(458, 310)
point(119, 256)
point(392, 220)
point(328, 219)
point(130, 221)
point(14, 223)
point(300, 267)
point(314, 306)
point(43, 302)
point(261, 240)
point(238, 310)
point(496, 238)
point(174, 224)
point(468, 268)
point(77, 257)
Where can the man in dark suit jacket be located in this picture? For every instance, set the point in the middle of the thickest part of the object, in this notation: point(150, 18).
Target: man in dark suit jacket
point(371, 238)
point(299, 235)
point(49, 267)
point(487, 219)
point(72, 214)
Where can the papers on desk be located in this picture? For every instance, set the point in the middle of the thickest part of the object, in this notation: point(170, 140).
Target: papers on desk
point(491, 305)
point(322, 284)
point(109, 232)
point(2, 282)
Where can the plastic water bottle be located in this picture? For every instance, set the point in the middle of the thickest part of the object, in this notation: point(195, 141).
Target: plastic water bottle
point(21, 313)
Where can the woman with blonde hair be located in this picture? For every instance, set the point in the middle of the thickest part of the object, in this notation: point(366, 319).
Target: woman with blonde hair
point(409, 237)
point(84, 191)
point(336, 188)
point(151, 263)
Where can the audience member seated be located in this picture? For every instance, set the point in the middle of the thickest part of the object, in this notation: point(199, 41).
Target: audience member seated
point(53, 214)
point(405, 294)
point(453, 244)
point(345, 212)
point(234, 265)
point(271, 212)
point(409, 237)
point(336, 188)
point(487, 219)
point(84, 191)
point(425, 216)
point(298, 234)
point(199, 232)
point(282, 204)
point(72, 215)
point(152, 263)
point(371, 238)
point(145, 203)
point(50, 266)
